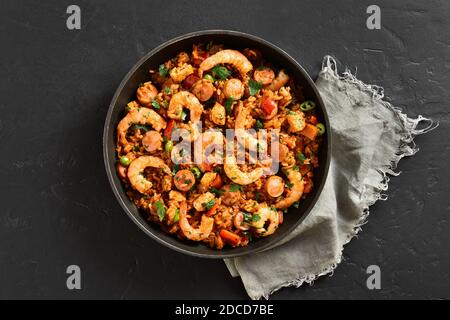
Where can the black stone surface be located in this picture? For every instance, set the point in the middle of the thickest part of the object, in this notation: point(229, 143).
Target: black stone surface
point(57, 208)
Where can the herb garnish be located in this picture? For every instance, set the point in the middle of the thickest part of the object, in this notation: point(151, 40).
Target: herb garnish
point(160, 210)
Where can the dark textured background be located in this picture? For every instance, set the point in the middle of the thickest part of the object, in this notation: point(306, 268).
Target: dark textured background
point(57, 206)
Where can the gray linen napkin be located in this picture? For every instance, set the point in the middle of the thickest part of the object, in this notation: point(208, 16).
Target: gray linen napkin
point(370, 136)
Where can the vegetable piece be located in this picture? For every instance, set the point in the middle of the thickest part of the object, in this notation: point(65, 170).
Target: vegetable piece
point(160, 209)
point(253, 86)
point(312, 119)
point(208, 205)
point(310, 131)
point(196, 171)
point(217, 183)
point(163, 71)
point(155, 104)
point(169, 146)
point(264, 75)
point(307, 105)
point(209, 78)
point(168, 130)
point(220, 72)
point(125, 161)
point(234, 188)
point(230, 237)
point(256, 218)
point(259, 125)
point(321, 128)
point(228, 103)
point(122, 171)
point(216, 191)
point(176, 218)
point(308, 185)
point(301, 157)
point(268, 107)
point(212, 211)
point(275, 186)
point(205, 167)
point(184, 180)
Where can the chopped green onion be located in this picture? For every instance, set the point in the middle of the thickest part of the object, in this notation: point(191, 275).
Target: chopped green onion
point(216, 191)
point(155, 104)
point(307, 105)
point(163, 71)
point(321, 128)
point(301, 157)
point(208, 205)
point(259, 124)
point(235, 187)
point(167, 90)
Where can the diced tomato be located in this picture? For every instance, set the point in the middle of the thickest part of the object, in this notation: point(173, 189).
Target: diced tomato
point(217, 183)
point(308, 185)
point(204, 167)
point(168, 130)
point(313, 120)
point(268, 107)
point(310, 131)
point(230, 237)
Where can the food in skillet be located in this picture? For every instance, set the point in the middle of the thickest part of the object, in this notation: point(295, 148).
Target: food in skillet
point(217, 202)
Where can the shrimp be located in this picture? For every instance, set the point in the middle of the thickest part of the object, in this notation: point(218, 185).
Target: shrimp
point(187, 100)
point(233, 57)
point(281, 79)
point(295, 192)
point(143, 116)
point(267, 215)
point(136, 169)
point(194, 234)
point(236, 175)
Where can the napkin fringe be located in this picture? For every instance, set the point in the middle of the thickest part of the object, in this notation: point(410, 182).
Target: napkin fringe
point(406, 148)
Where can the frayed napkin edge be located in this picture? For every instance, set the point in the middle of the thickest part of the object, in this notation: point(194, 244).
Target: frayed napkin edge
point(406, 148)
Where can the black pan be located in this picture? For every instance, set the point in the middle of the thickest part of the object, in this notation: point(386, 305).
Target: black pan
point(139, 74)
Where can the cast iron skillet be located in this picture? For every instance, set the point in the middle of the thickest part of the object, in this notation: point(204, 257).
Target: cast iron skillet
point(139, 74)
